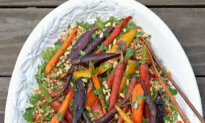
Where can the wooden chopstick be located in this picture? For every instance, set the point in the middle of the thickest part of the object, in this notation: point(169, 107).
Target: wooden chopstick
point(171, 97)
point(173, 82)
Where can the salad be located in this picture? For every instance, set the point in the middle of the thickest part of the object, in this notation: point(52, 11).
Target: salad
point(102, 72)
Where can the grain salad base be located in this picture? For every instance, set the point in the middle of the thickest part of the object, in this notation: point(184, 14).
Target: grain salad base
point(45, 34)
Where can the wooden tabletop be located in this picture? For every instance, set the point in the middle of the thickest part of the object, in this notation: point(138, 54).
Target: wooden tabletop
point(186, 18)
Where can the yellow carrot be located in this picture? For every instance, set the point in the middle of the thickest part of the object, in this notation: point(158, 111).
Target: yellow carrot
point(123, 115)
point(55, 58)
point(130, 69)
point(124, 41)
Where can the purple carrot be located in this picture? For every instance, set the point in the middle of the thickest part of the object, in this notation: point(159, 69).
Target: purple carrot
point(108, 116)
point(69, 76)
point(79, 100)
point(86, 118)
point(95, 58)
point(160, 106)
point(150, 103)
point(93, 45)
point(81, 43)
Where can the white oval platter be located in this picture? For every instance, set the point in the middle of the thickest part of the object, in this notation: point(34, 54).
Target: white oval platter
point(164, 43)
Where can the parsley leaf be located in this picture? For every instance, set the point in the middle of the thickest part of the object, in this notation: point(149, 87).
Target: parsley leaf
point(97, 92)
point(82, 53)
point(60, 116)
point(99, 23)
point(34, 99)
point(173, 91)
point(102, 47)
point(55, 88)
point(28, 115)
point(129, 53)
point(144, 121)
point(74, 47)
point(138, 96)
point(48, 53)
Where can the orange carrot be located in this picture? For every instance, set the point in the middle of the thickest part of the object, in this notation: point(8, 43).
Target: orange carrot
point(91, 98)
point(111, 78)
point(117, 81)
point(137, 112)
point(55, 58)
point(63, 107)
point(97, 110)
point(56, 106)
point(98, 87)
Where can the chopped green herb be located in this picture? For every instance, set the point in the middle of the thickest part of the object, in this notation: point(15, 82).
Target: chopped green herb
point(97, 92)
point(45, 83)
point(60, 116)
point(74, 47)
point(124, 90)
point(138, 96)
point(136, 64)
point(68, 26)
point(34, 99)
point(74, 89)
point(48, 118)
point(62, 66)
point(172, 90)
point(129, 53)
point(94, 35)
point(40, 74)
point(111, 19)
point(107, 34)
point(96, 113)
point(82, 53)
point(154, 94)
point(55, 88)
point(99, 23)
point(144, 121)
point(28, 115)
point(57, 45)
point(102, 47)
point(139, 34)
point(48, 53)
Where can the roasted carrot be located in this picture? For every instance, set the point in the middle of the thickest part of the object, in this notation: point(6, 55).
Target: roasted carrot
point(115, 33)
point(131, 67)
point(97, 110)
point(97, 85)
point(69, 116)
point(86, 73)
point(144, 75)
point(64, 106)
point(137, 112)
point(91, 98)
point(132, 84)
point(111, 78)
point(123, 115)
point(124, 41)
point(55, 58)
point(117, 80)
point(56, 106)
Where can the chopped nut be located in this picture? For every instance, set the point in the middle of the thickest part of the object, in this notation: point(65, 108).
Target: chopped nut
point(108, 24)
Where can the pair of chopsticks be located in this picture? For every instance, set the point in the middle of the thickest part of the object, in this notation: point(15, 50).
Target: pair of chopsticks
point(172, 99)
